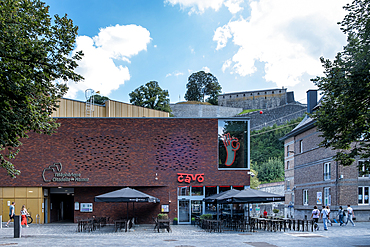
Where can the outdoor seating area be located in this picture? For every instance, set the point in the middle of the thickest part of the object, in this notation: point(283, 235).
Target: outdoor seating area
point(242, 224)
point(278, 224)
point(91, 224)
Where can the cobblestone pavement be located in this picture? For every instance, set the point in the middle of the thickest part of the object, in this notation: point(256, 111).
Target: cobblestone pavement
point(184, 236)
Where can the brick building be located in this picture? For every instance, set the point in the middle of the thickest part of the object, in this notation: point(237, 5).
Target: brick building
point(177, 160)
point(312, 177)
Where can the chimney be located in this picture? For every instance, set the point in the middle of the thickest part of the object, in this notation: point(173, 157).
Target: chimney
point(311, 100)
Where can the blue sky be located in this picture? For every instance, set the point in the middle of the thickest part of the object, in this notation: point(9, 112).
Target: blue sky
point(247, 45)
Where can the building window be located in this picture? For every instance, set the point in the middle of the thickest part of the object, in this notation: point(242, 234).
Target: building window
point(287, 165)
point(327, 196)
point(305, 197)
point(300, 146)
point(327, 172)
point(288, 185)
point(362, 169)
point(363, 195)
point(287, 151)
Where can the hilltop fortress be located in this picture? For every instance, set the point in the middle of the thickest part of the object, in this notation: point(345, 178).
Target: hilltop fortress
point(259, 99)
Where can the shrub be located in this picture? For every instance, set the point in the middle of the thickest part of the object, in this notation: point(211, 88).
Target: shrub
point(206, 216)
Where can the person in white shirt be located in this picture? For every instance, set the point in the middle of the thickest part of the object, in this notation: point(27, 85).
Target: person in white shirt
point(315, 216)
point(350, 215)
point(324, 216)
point(329, 221)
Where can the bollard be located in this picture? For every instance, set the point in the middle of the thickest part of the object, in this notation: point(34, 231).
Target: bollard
point(1, 221)
point(17, 226)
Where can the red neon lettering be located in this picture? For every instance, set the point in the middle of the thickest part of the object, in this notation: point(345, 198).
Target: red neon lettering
point(190, 177)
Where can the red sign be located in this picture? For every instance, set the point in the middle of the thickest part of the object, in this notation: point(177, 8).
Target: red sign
point(187, 178)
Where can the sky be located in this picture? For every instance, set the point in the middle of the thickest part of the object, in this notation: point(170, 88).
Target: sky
point(246, 44)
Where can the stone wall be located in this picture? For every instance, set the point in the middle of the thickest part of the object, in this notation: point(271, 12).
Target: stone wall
point(190, 110)
point(260, 99)
point(279, 115)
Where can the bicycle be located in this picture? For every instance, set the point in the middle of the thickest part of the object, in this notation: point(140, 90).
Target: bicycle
point(29, 218)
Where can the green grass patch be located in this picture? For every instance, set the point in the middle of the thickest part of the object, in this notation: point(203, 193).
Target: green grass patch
point(248, 110)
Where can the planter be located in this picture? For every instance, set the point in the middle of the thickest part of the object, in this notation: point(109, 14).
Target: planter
point(175, 222)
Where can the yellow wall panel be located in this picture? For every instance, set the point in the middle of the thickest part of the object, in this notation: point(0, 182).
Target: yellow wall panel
point(33, 192)
point(34, 208)
point(18, 205)
point(1, 192)
point(20, 192)
point(8, 192)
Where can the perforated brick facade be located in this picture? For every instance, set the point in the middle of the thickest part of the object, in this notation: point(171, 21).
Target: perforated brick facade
point(112, 153)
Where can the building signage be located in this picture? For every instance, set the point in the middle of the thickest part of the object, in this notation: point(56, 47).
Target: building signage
point(233, 144)
point(187, 178)
point(54, 173)
point(86, 207)
point(319, 198)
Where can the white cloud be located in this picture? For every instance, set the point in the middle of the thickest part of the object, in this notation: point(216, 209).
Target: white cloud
point(199, 6)
point(176, 73)
point(98, 67)
point(234, 5)
point(289, 36)
point(206, 69)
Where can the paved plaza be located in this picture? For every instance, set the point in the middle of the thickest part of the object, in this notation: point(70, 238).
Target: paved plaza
point(184, 236)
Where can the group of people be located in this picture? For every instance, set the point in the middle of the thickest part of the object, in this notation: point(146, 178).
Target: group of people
point(24, 214)
point(325, 216)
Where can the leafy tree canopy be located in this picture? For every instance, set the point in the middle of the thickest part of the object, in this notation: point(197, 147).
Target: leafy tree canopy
point(271, 171)
point(151, 96)
point(100, 100)
point(343, 117)
point(34, 53)
point(201, 84)
point(266, 146)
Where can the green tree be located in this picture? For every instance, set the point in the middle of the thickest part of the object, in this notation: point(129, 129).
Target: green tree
point(271, 171)
point(201, 84)
point(100, 100)
point(266, 143)
point(344, 113)
point(254, 183)
point(35, 58)
point(151, 96)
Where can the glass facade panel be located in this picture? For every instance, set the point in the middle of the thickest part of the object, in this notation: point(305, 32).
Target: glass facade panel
point(233, 140)
point(197, 191)
point(366, 195)
point(224, 188)
point(196, 208)
point(183, 191)
point(360, 195)
point(211, 190)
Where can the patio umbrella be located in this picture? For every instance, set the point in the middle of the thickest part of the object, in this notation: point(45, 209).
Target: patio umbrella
point(215, 197)
point(250, 196)
point(126, 195)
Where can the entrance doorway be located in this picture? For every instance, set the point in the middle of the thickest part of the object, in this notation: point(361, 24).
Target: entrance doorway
point(189, 209)
point(61, 205)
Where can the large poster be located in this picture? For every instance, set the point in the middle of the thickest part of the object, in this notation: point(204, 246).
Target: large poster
point(233, 144)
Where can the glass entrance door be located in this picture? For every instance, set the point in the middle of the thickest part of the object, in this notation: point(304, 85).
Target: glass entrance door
point(184, 211)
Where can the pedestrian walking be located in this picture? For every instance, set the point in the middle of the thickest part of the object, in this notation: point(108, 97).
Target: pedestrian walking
point(315, 216)
point(350, 215)
point(329, 221)
point(24, 215)
point(341, 215)
point(11, 213)
point(324, 216)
